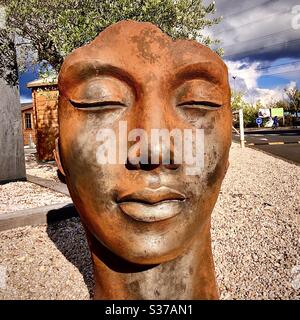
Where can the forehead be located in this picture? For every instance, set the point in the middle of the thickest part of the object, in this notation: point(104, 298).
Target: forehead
point(143, 52)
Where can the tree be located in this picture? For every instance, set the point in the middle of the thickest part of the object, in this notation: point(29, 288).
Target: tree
point(53, 28)
point(293, 95)
point(278, 104)
point(237, 100)
point(8, 60)
point(249, 112)
point(250, 115)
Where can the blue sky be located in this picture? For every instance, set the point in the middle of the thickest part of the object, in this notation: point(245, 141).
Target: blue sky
point(261, 40)
point(24, 79)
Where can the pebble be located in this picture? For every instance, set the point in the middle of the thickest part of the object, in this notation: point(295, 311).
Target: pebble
point(255, 240)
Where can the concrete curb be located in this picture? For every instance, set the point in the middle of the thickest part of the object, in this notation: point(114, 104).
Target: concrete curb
point(36, 216)
point(271, 143)
point(53, 185)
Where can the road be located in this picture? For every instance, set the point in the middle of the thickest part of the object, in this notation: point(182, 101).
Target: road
point(283, 143)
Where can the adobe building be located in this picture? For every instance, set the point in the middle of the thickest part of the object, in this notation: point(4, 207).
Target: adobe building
point(45, 117)
point(28, 124)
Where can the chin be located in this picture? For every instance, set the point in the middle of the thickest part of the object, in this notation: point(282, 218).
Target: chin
point(148, 254)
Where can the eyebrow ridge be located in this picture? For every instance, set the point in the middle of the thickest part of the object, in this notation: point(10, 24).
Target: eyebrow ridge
point(85, 70)
point(202, 70)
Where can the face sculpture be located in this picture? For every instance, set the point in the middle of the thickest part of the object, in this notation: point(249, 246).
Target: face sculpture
point(132, 72)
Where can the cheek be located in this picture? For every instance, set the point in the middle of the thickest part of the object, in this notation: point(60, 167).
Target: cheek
point(216, 156)
point(217, 132)
point(217, 141)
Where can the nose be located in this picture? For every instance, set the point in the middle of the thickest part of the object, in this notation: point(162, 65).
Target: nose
point(154, 144)
point(147, 156)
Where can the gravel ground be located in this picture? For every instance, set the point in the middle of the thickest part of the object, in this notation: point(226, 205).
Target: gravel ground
point(255, 240)
point(46, 170)
point(24, 195)
point(256, 228)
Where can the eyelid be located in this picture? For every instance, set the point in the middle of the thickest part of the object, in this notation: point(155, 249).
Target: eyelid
point(85, 105)
point(210, 105)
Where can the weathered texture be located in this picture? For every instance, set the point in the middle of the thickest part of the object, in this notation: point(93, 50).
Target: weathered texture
point(29, 134)
point(147, 223)
point(44, 100)
point(12, 162)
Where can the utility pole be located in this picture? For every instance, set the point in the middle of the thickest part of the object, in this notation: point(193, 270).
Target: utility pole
point(241, 118)
point(242, 135)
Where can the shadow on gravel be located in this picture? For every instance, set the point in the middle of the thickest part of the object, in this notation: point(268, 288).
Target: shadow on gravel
point(69, 237)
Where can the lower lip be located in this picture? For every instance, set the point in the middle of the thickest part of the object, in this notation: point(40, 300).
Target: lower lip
point(152, 212)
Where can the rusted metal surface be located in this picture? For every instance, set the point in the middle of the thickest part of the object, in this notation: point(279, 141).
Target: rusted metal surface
point(148, 225)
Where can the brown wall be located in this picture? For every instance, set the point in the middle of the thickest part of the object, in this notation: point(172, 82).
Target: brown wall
point(28, 132)
point(46, 118)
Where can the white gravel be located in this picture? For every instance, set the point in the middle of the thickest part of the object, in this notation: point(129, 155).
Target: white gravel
point(24, 195)
point(44, 262)
point(46, 170)
point(255, 240)
point(256, 228)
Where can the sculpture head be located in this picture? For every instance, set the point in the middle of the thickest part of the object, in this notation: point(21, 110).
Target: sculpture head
point(133, 76)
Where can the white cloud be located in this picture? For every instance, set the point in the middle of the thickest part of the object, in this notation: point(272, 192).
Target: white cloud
point(247, 75)
point(256, 36)
point(257, 28)
point(25, 99)
point(267, 96)
point(291, 85)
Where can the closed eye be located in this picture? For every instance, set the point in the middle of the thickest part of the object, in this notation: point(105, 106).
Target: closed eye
point(101, 105)
point(200, 104)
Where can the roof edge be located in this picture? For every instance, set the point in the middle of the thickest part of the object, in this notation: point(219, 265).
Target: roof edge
point(42, 83)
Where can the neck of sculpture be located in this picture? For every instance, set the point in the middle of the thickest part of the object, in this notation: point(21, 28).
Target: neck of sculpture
point(189, 276)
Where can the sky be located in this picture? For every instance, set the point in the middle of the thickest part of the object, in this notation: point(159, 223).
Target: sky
point(261, 42)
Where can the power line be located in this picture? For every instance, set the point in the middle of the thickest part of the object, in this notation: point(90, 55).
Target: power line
point(277, 73)
point(254, 50)
point(273, 74)
point(251, 22)
point(262, 37)
point(278, 65)
point(249, 9)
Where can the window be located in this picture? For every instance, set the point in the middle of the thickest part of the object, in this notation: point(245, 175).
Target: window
point(28, 121)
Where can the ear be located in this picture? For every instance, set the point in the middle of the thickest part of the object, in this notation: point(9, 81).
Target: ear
point(57, 157)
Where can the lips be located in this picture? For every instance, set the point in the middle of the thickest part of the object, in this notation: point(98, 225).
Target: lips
point(150, 205)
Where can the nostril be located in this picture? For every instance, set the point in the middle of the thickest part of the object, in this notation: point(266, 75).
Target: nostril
point(148, 167)
point(130, 166)
point(140, 166)
point(172, 166)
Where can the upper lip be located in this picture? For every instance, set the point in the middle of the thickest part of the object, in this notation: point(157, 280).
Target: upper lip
point(152, 196)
